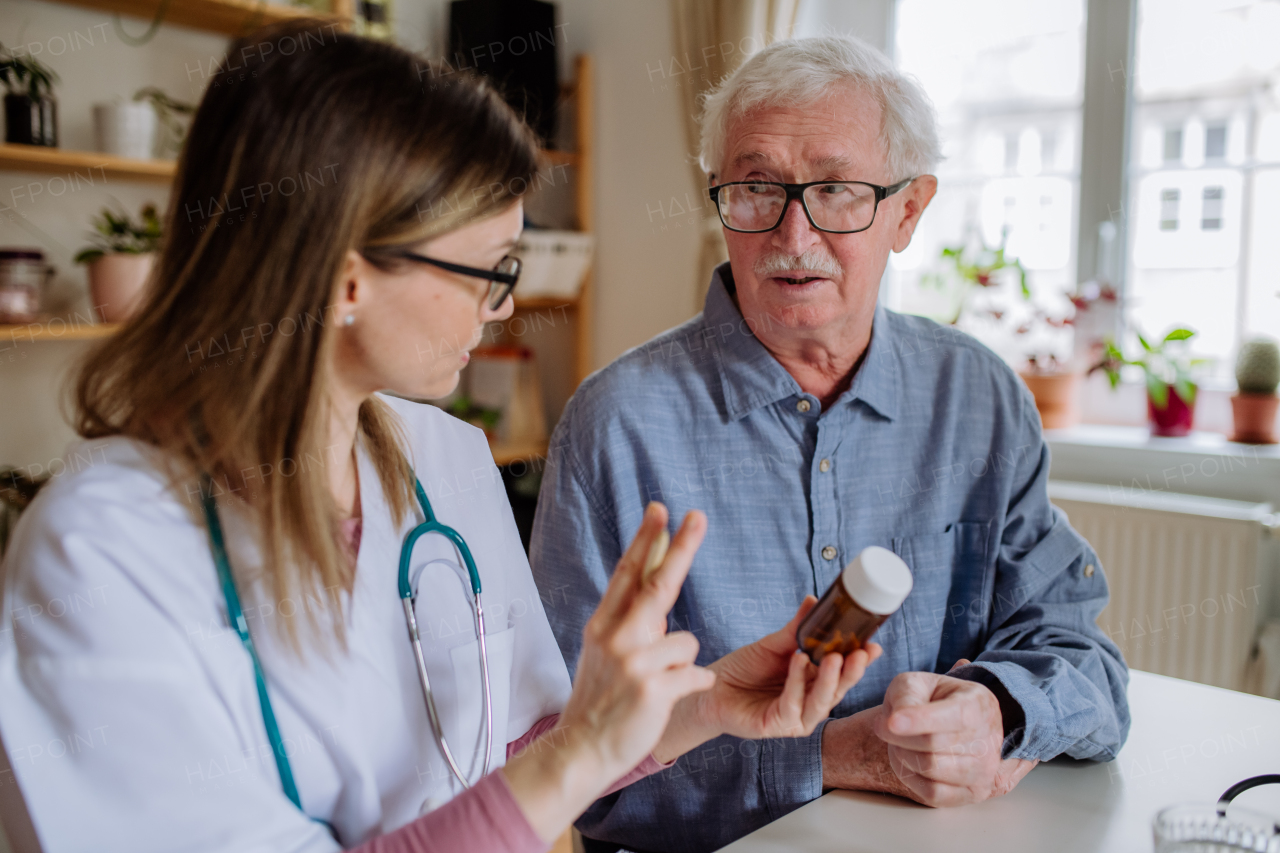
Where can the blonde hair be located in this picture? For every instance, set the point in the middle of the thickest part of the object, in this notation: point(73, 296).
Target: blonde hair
point(308, 142)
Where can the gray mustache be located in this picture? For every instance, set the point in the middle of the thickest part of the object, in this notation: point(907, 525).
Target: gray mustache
point(813, 261)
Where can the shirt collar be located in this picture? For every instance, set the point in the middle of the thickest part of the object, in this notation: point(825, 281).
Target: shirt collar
point(750, 377)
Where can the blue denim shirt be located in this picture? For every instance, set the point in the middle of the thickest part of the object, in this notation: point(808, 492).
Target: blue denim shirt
point(934, 451)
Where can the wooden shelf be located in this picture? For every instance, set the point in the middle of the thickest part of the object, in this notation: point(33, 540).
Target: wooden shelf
point(88, 165)
point(95, 165)
point(557, 157)
point(231, 17)
point(505, 453)
point(536, 303)
point(54, 329)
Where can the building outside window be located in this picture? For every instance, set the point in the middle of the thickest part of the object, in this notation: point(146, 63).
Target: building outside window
point(1201, 163)
point(1205, 134)
point(1009, 103)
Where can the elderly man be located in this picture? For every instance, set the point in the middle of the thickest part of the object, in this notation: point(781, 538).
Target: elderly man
point(808, 423)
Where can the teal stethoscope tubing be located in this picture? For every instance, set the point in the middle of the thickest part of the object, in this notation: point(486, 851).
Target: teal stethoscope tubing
point(235, 615)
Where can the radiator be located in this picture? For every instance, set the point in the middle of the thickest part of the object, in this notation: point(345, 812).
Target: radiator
point(1192, 579)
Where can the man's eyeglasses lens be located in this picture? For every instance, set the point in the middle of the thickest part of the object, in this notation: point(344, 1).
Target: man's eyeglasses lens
point(844, 206)
point(500, 290)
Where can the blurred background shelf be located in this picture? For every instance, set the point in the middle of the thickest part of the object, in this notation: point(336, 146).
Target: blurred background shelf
point(91, 164)
point(506, 453)
point(232, 17)
point(55, 330)
point(537, 303)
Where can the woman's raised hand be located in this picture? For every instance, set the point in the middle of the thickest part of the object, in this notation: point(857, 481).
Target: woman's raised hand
point(631, 672)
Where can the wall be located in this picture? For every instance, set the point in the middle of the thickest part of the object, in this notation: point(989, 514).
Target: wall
point(646, 246)
point(47, 211)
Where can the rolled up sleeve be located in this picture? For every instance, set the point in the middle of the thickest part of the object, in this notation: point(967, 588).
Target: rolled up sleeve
point(791, 770)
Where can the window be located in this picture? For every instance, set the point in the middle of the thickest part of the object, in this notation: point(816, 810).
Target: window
point(1215, 142)
point(1211, 219)
point(1173, 145)
point(1009, 106)
point(1207, 68)
point(1201, 171)
point(1169, 210)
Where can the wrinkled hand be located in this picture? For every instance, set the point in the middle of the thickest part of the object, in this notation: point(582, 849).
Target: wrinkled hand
point(631, 672)
point(770, 689)
point(944, 737)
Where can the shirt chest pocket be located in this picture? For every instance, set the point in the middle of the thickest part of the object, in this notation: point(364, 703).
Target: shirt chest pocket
point(945, 616)
point(464, 727)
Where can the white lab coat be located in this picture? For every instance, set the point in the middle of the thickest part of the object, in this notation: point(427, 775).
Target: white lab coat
point(128, 706)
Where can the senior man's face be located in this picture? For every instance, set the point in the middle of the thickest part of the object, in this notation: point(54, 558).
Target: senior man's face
point(806, 280)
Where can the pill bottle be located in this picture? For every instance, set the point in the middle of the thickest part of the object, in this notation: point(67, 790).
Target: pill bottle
point(866, 593)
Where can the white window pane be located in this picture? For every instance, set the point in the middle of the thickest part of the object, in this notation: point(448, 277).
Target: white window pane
point(1262, 308)
point(1181, 195)
point(1204, 300)
point(1204, 71)
point(1007, 79)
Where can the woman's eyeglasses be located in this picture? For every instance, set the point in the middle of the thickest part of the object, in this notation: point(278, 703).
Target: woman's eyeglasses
point(502, 277)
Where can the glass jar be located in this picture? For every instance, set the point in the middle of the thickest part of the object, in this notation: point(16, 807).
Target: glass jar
point(23, 274)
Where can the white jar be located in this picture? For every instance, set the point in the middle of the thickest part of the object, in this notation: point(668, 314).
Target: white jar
point(125, 129)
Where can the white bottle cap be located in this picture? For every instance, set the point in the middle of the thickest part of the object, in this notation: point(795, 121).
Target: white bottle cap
point(877, 580)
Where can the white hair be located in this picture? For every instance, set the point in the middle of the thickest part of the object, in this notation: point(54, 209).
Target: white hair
point(798, 72)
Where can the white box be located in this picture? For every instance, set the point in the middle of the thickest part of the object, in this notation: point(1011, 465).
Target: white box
point(555, 262)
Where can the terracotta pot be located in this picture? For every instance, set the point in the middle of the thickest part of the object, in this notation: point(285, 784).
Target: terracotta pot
point(116, 282)
point(1174, 419)
point(1055, 395)
point(1255, 418)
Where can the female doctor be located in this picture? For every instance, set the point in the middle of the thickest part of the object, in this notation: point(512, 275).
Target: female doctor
point(205, 641)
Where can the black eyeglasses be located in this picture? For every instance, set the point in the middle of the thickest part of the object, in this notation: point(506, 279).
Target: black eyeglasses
point(837, 207)
point(503, 276)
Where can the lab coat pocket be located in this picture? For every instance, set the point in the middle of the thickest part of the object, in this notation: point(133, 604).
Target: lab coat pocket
point(945, 617)
point(466, 734)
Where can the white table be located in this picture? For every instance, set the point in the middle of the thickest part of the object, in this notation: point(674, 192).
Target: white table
point(1188, 742)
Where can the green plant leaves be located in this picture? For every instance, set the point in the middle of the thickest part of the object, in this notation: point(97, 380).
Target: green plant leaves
point(1179, 335)
point(1158, 391)
point(116, 232)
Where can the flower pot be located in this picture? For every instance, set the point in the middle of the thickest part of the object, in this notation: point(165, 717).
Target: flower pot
point(116, 282)
point(31, 121)
point(125, 129)
point(1055, 395)
point(1255, 418)
point(1174, 419)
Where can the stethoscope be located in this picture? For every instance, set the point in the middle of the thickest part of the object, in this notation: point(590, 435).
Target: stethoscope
point(235, 616)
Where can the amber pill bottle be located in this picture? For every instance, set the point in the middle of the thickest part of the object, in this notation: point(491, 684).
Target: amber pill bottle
point(868, 591)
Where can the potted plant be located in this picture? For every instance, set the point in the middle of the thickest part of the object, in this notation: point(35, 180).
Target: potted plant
point(120, 260)
point(973, 266)
point(1253, 409)
point(1053, 385)
point(30, 111)
point(980, 269)
point(174, 119)
point(1171, 392)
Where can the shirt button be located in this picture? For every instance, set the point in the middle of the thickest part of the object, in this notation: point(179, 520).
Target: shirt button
point(824, 466)
point(828, 553)
point(1088, 570)
point(802, 406)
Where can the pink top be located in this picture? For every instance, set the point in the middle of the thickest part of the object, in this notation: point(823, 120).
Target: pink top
point(484, 818)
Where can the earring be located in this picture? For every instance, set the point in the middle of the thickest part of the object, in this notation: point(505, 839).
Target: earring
point(349, 320)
